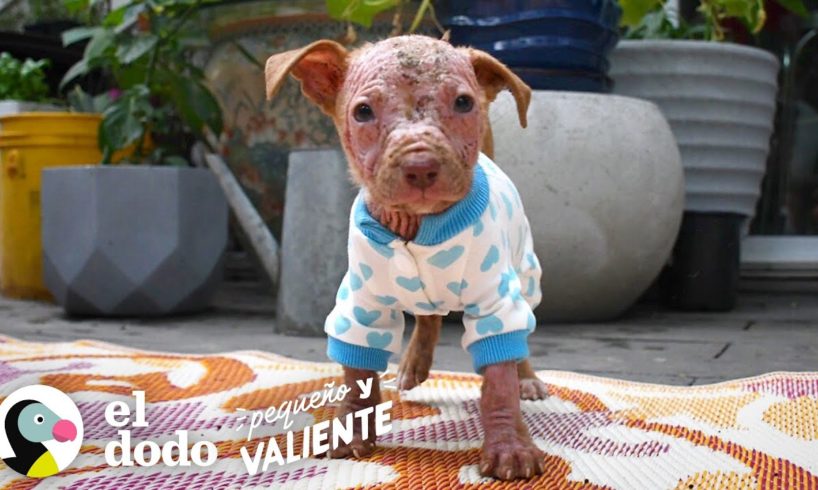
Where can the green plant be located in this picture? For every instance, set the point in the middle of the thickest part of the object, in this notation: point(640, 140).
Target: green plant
point(162, 102)
point(22, 80)
point(648, 19)
point(362, 12)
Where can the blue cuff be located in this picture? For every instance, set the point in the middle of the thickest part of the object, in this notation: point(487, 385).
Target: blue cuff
point(511, 346)
point(356, 356)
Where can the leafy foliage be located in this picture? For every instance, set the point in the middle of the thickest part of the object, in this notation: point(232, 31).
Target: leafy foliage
point(363, 12)
point(22, 80)
point(147, 46)
point(648, 19)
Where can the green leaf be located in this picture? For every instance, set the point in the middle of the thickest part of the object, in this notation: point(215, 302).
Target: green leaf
point(633, 11)
point(197, 106)
point(78, 34)
point(135, 48)
point(77, 70)
point(175, 161)
point(358, 11)
point(122, 123)
point(795, 6)
point(99, 43)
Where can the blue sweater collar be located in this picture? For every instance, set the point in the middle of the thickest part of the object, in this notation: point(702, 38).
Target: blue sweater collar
point(434, 228)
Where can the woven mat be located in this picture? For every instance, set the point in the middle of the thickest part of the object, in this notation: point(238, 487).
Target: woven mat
point(755, 433)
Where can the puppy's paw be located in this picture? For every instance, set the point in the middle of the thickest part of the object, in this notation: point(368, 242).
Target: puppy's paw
point(511, 457)
point(533, 389)
point(413, 370)
point(357, 447)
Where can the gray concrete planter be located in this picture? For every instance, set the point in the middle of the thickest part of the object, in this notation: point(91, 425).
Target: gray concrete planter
point(314, 239)
point(603, 189)
point(132, 241)
point(720, 101)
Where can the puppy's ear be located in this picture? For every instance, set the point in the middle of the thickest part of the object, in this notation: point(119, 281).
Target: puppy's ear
point(320, 67)
point(494, 76)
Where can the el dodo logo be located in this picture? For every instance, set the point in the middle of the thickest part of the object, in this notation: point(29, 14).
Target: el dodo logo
point(40, 431)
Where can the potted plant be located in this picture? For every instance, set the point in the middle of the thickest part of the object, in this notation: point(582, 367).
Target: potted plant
point(720, 100)
point(145, 238)
point(550, 44)
point(22, 85)
point(35, 133)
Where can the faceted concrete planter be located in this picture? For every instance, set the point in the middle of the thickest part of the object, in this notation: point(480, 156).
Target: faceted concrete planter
point(720, 101)
point(603, 189)
point(314, 239)
point(132, 241)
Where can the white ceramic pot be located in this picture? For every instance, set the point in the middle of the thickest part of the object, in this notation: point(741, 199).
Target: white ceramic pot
point(603, 188)
point(720, 101)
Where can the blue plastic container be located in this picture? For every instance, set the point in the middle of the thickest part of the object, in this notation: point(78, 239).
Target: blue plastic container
point(562, 44)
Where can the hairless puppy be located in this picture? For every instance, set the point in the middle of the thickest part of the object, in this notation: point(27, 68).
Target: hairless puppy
point(437, 226)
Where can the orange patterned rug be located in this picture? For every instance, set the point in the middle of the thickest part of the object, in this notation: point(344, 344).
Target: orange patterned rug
point(757, 433)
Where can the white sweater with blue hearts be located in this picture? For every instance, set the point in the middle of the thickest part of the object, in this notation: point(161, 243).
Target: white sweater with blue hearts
point(476, 257)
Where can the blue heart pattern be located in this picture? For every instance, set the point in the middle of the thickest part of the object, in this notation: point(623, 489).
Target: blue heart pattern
point(365, 318)
point(386, 300)
point(409, 283)
point(492, 257)
point(532, 322)
point(493, 211)
point(366, 271)
point(343, 292)
point(342, 324)
point(478, 228)
point(355, 282)
point(378, 340)
point(382, 249)
point(532, 285)
point(432, 306)
point(457, 287)
point(509, 206)
point(445, 258)
point(505, 278)
point(488, 324)
point(471, 310)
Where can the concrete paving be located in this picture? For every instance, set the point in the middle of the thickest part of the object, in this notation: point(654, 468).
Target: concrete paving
point(766, 332)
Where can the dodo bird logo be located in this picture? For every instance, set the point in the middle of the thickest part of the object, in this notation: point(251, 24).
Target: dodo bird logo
point(41, 431)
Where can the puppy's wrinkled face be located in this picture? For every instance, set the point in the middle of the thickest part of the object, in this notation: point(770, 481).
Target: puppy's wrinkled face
point(410, 111)
point(411, 121)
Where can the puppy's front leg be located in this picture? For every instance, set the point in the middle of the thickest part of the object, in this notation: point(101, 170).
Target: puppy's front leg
point(508, 451)
point(417, 361)
point(360, 446)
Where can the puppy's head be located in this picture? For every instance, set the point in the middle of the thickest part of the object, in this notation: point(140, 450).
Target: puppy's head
point(411, 112)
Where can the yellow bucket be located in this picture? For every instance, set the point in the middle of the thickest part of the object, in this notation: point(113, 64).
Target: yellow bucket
point(30, 142)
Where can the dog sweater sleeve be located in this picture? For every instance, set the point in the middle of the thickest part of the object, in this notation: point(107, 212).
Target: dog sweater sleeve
point(497, 306)
point(366, 326)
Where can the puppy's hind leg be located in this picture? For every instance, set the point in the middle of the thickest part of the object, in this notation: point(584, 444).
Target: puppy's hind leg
point(417, 360)
point(531, 388)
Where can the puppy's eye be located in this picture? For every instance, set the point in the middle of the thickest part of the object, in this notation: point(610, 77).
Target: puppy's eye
point(463, 104)
point(363, 113)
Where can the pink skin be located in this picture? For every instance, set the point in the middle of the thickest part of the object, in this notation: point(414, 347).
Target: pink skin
point(412, 96)
point(64, 430)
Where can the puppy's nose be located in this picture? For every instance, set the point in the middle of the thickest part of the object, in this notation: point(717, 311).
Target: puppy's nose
point(421, 175)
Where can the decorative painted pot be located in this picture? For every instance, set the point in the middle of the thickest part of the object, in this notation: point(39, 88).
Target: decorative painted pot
point(720, 100)
point(603, 189)
point(562, 44)
point(259, 134)
point(131, 240)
